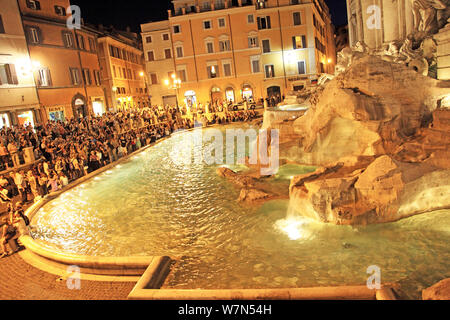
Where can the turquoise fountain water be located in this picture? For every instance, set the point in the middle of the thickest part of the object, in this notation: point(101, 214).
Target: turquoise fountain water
point(153, 206)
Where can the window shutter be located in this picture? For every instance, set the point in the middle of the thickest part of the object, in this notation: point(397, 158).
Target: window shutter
point(49, 77)
point(259, 23)
point(38, 5)
point(66, 44)
point(2, 28)
point(11, 74)
point(294, 43)
point(71, 76)
point(268, 22)
point(41, 38)
point(304, 42)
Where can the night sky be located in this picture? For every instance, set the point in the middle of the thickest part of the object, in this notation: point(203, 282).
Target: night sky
point(133, 13)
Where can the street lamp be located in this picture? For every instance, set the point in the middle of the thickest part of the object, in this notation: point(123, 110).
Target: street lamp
point(173, 83)
point(142, 75)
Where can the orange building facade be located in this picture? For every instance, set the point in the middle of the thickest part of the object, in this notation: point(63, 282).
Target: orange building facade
point(122, 71)
point(19, 103)
point(235, 50)
point(65, 61)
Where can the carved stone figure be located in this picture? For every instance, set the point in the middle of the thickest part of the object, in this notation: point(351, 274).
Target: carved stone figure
point(425, 14)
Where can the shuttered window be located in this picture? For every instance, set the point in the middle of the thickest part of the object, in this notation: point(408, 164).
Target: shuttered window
point(44, 77)
point(2, 28)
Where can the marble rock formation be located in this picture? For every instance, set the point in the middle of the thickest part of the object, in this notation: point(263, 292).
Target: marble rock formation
point(382, 141)
point(237, 179)
point(369, 109)
point(439, 291)
point(252, 195)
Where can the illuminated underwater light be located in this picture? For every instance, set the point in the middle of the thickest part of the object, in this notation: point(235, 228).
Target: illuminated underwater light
point(294, 228)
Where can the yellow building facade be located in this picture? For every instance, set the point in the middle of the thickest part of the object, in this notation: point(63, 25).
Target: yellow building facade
point(235, 50)
point(19, 103)
point(122, 72)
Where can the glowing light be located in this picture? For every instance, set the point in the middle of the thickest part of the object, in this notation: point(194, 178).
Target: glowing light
point(294, 228)
point(329, 60)
point(36, 64)
point(166, 82)
point(141, 74)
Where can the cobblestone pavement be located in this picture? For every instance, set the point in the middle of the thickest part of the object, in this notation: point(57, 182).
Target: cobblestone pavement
point(21, 281)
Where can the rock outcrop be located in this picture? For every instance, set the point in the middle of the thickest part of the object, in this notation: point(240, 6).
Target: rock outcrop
point(439, 291)
point(240, 180)
point(382, 141)
point(252, 195)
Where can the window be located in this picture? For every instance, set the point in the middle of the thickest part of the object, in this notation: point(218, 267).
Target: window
point(115, 71)
point(179, 52)
point(87, 77)
point(80, 42)
point(182, 75)
point(213, 71)
point(219, 4)
point(60, 11)
point(97, 78)
point(206, 6)
point(294, 2)
point(270, 71)
point(224, 45)
point(255, 66)
point(297, 19)
point(2, 28)
point(207, 24)
point(148, 39)
point(176, 29)
point(34, 35)
point(299, 42)
point(153, 78)
point(227, 70)
point(167, 53)
point(264, 23)
point(165, 36)
point(266, 46)
point(250, 18)
point(92, 45)
point(221, 22)
point(252, 42)
point(301, 67)
point(33, 4)
point(8, 74)
point(75, 76)
point(124, 73)
point(210, 47)
point(151, 56)
point(44, 77)
point(130, 75)
point(68, 40)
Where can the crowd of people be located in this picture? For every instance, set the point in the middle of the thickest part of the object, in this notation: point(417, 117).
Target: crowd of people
point(66, 151)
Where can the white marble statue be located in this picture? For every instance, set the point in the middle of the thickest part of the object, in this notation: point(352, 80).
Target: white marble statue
point(425, 14)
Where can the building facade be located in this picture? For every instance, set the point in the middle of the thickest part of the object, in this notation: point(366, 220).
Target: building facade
point(236, 50)
point(19, 102)
point(65, 61)
point(122, 70)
